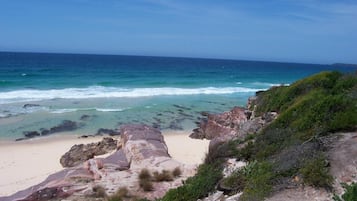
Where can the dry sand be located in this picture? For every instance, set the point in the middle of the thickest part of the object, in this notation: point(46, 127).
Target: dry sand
point(26, 163)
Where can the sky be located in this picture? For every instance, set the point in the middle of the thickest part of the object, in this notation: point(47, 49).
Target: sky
point(307, 31)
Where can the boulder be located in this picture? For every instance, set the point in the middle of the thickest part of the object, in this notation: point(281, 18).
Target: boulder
point(141, 142)
point(80, 153)
point(217, 125)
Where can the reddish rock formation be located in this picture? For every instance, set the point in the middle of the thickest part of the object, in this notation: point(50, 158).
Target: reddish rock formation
point(220, 125)
point(140, 147)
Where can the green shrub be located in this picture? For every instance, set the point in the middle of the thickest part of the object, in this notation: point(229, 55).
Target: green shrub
point(350, 193)
point(259, 181)
point(316, 173)
point(197, 186)
point(236, 182)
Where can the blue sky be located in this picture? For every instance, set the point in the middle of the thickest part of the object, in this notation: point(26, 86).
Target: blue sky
point(310, 31)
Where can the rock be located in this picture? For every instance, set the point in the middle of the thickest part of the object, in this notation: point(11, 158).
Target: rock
point(31, 134)
point(140, 146)
point(116, 161)
point(80, 153)
point(343, 160)
point(85, 117)
point(223, 124)
point(30, 105)
point(66, 125)
point(217, 196)
point(110, 132)
point(44, 131)
point(141, 142)
point(181, 107)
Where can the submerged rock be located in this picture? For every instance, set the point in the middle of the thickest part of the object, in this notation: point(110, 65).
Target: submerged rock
point(31, 134)
point(66, 125)
point(28, 105)
point(111, 132)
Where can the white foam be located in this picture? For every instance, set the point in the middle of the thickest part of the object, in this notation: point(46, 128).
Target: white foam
point(61, 111)
point(112, 92)
point(68, 110)
point(269, 84)
point(109, 109)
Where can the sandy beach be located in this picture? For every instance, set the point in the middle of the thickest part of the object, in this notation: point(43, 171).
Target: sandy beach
point(26, 163)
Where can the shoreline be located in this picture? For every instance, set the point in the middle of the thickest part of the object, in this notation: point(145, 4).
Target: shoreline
point(26, 163)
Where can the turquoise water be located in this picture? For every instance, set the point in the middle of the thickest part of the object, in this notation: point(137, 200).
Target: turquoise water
point(168, 93)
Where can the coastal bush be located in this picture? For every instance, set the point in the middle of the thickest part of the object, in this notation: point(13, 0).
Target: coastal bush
point(198, 186)
point(177, 172)
point(99, 192)
point(145, 174)
point(350, 193)
point(164, 175)
point(221, 151)
point(309, 110)
point(119, 194)
point(236, 182)
point(146, 184)
point(322, 103)
point(258, 184)
point(315, 172)
point(145, 180)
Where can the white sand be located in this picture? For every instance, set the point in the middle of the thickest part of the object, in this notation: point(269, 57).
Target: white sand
point(26, 163)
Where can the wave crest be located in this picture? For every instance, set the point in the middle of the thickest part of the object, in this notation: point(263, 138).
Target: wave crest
point(113, 92)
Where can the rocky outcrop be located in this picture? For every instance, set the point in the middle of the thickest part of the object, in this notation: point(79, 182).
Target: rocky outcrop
point(80, 153)
point(219, 125)
point(237, 123)
point(139, 147)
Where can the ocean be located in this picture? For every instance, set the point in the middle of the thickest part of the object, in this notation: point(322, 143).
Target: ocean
point(39, 91)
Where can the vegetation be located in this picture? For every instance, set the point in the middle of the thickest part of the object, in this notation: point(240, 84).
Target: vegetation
point(315, 173)
point(165, 175)
point(145, 180)
point(177, 172)
point(197, 186)
point(119, 195)
point(350, 193)
point(310, 111)
point(259, 181)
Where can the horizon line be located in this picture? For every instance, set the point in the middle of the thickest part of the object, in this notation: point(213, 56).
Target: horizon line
point(177, 57)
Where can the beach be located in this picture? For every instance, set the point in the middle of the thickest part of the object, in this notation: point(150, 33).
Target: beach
point(28, 162)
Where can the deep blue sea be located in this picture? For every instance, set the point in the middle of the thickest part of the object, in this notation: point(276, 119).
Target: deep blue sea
point(109, 90)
